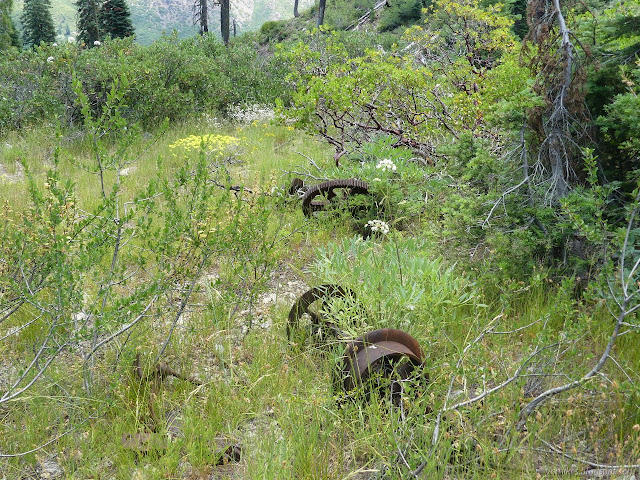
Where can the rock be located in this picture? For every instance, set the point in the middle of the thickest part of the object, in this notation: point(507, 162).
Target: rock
point(49, 468)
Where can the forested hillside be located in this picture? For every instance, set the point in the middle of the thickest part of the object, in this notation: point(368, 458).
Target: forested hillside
point(152, 18)
point(402, 244)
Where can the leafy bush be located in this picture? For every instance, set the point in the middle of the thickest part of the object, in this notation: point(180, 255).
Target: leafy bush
point(620, 122)
point(273, 31)
point(399, 284)
point(171, 78)
point(399, 13)
point(28, 88)
point(613, 37)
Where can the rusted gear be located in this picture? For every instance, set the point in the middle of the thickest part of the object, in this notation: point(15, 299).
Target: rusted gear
point(150, 440)
point(394, 354)
point(297, 185)
point(320, 196)
point(301, 306)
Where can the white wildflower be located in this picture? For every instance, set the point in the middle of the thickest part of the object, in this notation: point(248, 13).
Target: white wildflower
point(378, 226)
point(248, 114)
point(97, 43)
point(71, 39)
point(385, 165)
point(54, 44)
point(50, 59)
point(411, 308)
point(376, 180)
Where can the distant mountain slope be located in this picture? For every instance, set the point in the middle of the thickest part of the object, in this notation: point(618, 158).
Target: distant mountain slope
point(152, 18)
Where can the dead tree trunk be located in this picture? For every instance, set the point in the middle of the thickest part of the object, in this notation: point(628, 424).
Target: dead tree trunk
point(202, 15)
point(295, 9)
point(321, 8)
point(224, 20)
point(561, 123)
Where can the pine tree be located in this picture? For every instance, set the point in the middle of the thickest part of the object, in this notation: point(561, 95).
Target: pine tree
point(8, 32)
point(115, 19)
point(37, 22)
point(99, 19)
point(89, 25)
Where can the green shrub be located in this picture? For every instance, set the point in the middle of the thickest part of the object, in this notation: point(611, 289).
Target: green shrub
point(273, 31)
point(171, 79)
point(400, 12)
point(28, 88)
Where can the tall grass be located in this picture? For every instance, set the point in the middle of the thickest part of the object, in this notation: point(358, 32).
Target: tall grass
point(278, 400)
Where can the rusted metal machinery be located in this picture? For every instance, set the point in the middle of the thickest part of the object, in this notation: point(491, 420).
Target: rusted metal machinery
point(297, 187)
point(302, 306)
point(153, 439)
point(320, 196)
point(381, 359)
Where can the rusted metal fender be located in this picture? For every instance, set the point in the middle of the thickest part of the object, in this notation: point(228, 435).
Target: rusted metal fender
point(326, 191)
point(366, 351)
point(302, 304)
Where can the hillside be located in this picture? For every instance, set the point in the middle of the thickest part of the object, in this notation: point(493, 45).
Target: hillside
point(152, 18)
point(354, 252)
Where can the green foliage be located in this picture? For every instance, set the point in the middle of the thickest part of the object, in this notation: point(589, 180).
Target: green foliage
point(273, 31)
point(28, 89)
point(89, 25)
point(116, 19)
point(37, 23)
point(400, 13)
point(456, 105)
point(170, 79)
point(98, 21)
point(398, 283)
point(8, 33)
point(620, 123)
point(449, 94)
point(341, 14)
point(615, 43)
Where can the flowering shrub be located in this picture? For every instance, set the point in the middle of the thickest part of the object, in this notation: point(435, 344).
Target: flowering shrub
point(385, 165)
point(378, 226)
point(247, 114)
point(213, 144)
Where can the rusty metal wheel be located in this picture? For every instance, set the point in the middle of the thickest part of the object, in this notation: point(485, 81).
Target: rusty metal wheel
point(297, 187)
point(387, 354)
point(322, 293)
point(320, 196)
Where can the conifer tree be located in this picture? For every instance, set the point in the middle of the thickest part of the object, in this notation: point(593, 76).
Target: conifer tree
point(115, 19)
point(89, 25)
point(37, 22)
point(8, 32)
point(99, 19)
